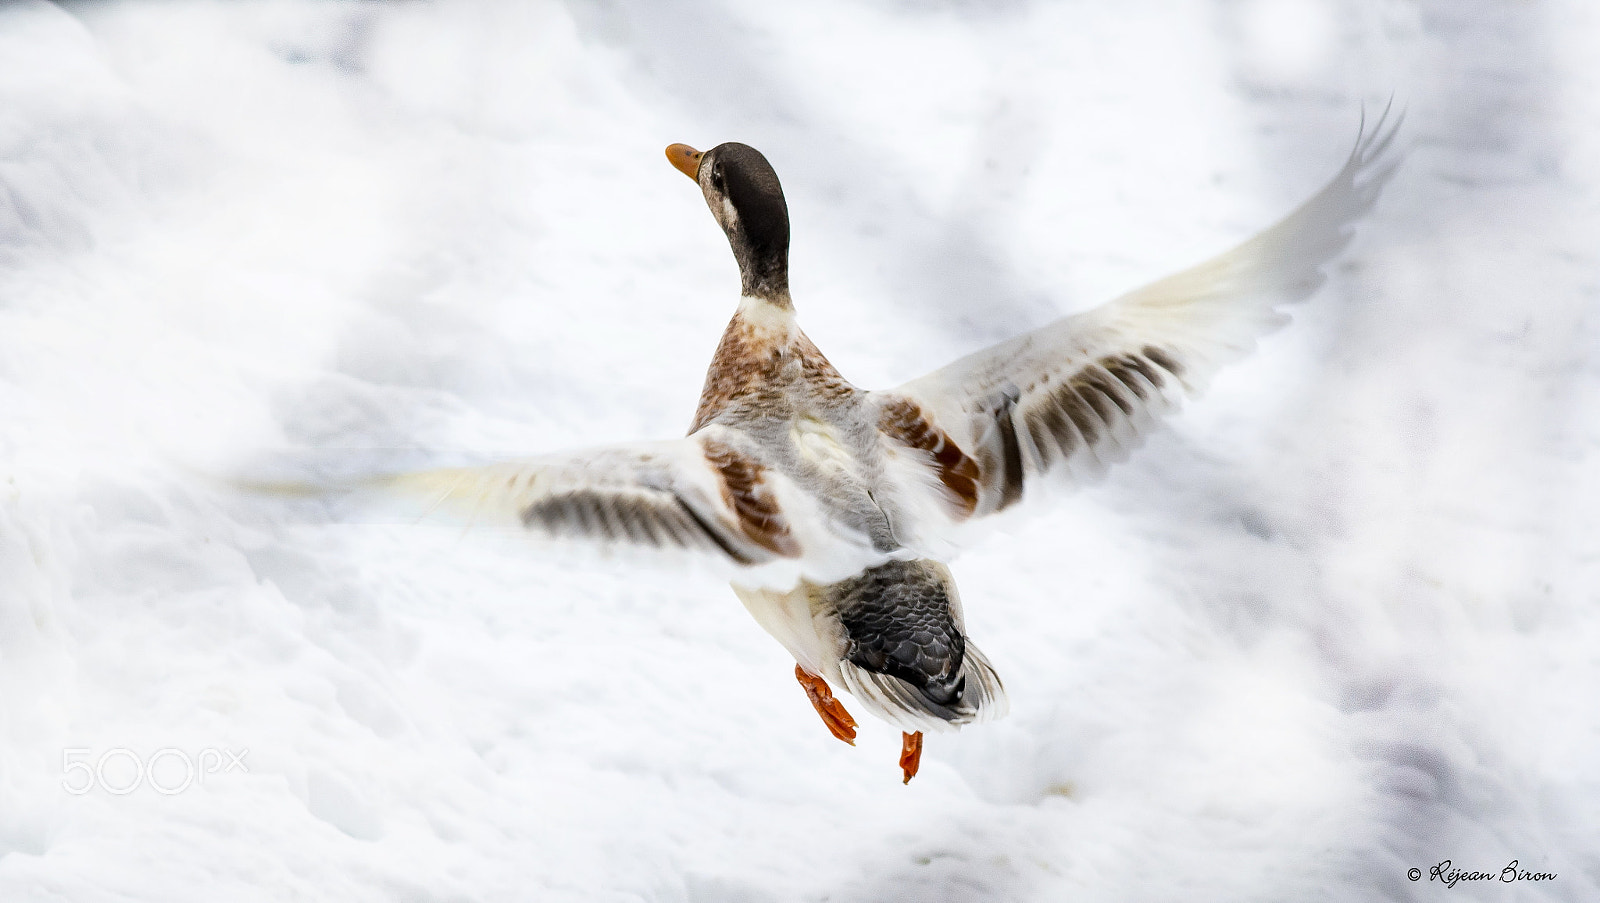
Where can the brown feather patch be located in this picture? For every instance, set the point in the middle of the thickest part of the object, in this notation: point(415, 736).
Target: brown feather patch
point(1120, 368)
point(903, 421)
point(742, 361)
point(1010, 453)
point(1081, 410)
point(752, 502)
point(1163, 360)
point(761, 367)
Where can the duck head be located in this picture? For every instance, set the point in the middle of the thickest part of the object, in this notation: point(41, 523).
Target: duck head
point(743, 193)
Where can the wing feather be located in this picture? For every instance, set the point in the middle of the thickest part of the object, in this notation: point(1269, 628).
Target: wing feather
point(1080, 394)
point(664, 495)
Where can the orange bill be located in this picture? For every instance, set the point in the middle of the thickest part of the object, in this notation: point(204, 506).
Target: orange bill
point(685, 159)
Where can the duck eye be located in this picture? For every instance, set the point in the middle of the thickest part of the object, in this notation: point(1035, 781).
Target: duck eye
point(716, 178)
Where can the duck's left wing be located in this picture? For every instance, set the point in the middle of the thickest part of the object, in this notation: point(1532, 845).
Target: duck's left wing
point(1079, 394)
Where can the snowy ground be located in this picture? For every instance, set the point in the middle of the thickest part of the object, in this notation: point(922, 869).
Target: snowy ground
point(1339, 621)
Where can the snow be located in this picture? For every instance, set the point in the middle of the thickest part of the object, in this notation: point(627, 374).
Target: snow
point(1336, 622)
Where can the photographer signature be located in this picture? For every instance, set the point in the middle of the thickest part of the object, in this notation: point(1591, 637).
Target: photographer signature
point(1449, 875)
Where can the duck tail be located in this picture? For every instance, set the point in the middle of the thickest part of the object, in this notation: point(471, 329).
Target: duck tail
point(977, 695)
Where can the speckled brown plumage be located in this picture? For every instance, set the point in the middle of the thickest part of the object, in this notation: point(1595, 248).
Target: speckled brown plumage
point(737, 367)
point(763, 369)
point(904, 422)
point(823, 382)
point(752, 502)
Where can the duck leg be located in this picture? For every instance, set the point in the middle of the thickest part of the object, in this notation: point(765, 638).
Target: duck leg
point(839, 722)
point(910, 754)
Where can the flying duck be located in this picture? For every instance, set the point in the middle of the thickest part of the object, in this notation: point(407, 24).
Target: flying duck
point(833, 505)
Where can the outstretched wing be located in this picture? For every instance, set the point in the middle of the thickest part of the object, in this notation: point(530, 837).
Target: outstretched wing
point(701, 494)
point(1079, 394)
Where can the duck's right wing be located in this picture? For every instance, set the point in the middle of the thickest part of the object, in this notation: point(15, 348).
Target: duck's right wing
point(705, 494)
point(1072, 397)
point(697, 494)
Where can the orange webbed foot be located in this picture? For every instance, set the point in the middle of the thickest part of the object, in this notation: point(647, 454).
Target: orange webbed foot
point(910, 754)
point(839, 722)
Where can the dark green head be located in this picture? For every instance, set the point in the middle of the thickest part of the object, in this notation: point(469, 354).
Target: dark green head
point(743, 193)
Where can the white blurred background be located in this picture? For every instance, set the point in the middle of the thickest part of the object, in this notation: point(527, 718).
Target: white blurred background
point(1337, 622)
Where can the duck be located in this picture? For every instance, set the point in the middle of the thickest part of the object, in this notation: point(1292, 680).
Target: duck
point(835, 509)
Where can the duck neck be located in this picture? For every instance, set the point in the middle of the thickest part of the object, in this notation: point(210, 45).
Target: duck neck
point(766, 320)
point(766, 278)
